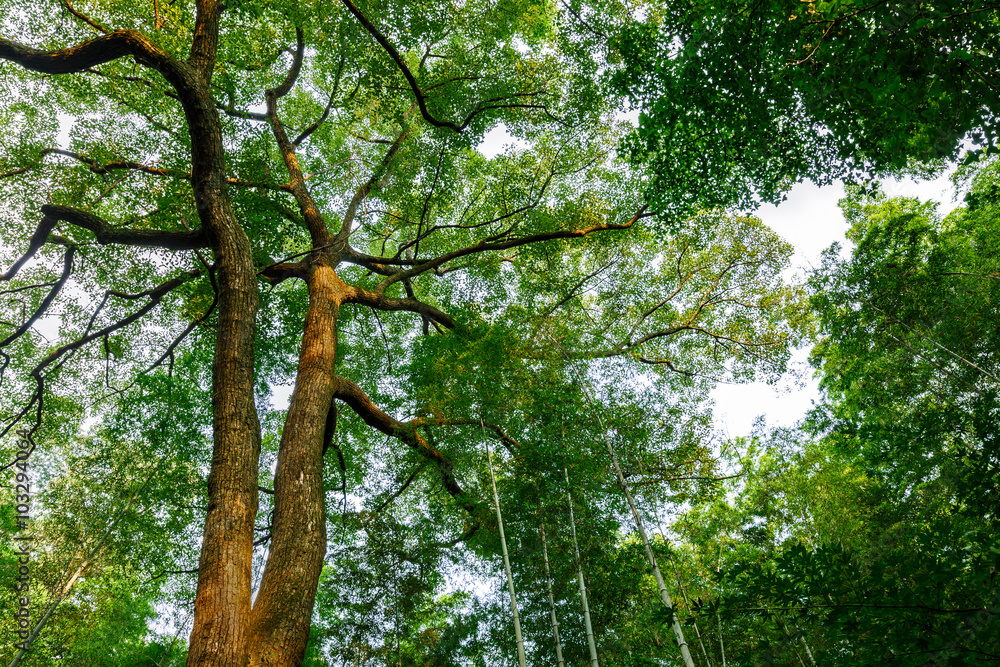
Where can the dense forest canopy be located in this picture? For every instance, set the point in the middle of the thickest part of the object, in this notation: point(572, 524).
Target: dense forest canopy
point(496, 358)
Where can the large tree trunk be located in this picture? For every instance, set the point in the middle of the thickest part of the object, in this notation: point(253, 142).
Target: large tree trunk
point(222, 603)
point(282, 612)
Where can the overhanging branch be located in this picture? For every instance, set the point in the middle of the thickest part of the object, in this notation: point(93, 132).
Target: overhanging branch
point(482, 106)
point(107, 234)
point(379, 301)
point(91, 53)
point(351, 394)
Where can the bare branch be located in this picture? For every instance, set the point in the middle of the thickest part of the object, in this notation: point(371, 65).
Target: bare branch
point(483, 246)
point(26, 288)
point(399, 491)
point(107, 167)
point(319, 121)
point(511, 445)
point(86, 19)
point(42, 307)
point(579, 18)
point(155, 295)
point(578, 285)
point(485, 105)
point(375, 181)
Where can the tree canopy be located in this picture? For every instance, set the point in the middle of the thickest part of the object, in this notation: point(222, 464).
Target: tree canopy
point(208, 205)
point(741, 99)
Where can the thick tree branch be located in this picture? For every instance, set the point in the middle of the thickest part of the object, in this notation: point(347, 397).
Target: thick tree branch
point(379, 301)
point(106, 234)
point(358, 400)
point(91, 53)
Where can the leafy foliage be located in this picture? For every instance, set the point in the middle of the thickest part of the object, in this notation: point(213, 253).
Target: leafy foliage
point(740, 100)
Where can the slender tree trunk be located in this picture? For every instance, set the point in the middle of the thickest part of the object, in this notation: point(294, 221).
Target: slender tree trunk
point(552, 602)
point(718, 619)
point(809, 652)
point(722, 646)
point(591, 644)
point(805, 644)
point(680, 584)
point(664, 595)
point(697, 632)
point(282, 611)
point(685, 653)
point(506, 562)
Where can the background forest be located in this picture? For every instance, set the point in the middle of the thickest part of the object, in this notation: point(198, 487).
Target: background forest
point(303, 375)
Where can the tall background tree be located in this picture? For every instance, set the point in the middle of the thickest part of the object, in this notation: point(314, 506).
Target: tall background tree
point(867, 535)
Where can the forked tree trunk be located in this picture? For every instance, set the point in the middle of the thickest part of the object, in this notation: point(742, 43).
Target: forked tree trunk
point(222, 603)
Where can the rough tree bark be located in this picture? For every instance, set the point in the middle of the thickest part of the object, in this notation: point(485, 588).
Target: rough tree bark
point(222, 603)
